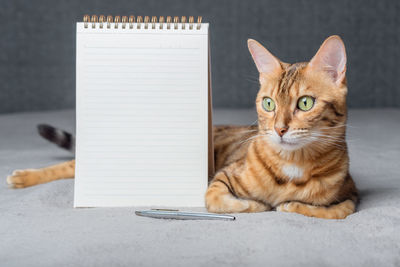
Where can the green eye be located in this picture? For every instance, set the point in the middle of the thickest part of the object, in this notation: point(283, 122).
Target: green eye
point(268, 104)
point(305, 103)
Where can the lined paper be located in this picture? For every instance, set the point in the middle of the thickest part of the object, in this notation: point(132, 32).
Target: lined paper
point(142, 121)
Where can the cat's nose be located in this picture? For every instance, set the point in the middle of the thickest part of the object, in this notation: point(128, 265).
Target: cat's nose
point(281, 130)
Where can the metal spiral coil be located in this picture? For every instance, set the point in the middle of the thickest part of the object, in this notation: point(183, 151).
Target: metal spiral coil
point(127, 22)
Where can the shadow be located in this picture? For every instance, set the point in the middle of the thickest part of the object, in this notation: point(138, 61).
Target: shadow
point(64, 158)
point(376, 197)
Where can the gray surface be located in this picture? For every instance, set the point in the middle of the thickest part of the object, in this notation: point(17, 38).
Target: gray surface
point(39, 227)
point(37, 44)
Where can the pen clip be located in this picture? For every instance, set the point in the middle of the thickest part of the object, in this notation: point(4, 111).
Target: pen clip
point(165, 209)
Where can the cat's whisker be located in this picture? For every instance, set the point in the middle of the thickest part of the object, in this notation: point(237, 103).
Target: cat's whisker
point(251, 138)
point(327, 139)
point(322, 147)
point(256, 121)
point(252, 81)
point(251, 77)
point(332, 127)
point(246, 131)
point(327, 135)
point(329, 143)
point(337, 126)
point(338, 138)
point(300, 134)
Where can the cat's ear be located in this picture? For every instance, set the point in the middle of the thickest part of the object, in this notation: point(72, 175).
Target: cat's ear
point(331, 58)
point(265, 61)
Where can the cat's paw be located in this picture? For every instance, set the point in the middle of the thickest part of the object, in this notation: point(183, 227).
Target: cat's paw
point(288, 207)
point(230, 204)
point(256, 206)
point(23, 178)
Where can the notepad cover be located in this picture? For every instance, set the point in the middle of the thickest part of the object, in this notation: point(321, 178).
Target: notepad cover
point(142, 100)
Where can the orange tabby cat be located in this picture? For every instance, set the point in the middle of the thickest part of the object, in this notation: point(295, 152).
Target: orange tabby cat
point(295, 160)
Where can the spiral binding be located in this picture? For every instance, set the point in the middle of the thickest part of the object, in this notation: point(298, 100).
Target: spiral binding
point(128, 22)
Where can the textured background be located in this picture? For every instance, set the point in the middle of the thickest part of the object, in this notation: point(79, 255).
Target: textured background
point(37, 45)
point(39, 227)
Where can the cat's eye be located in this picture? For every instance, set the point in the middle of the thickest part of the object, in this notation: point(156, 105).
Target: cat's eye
point(268, 104)
point(305, 103)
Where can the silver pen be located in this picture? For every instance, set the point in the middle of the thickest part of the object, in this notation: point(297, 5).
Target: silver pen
point(183, 215)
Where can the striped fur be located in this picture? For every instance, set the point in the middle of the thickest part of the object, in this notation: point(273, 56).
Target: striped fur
point(255, 171)
point(59, 137)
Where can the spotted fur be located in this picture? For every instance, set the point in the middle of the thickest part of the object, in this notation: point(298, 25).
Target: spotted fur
point(257, 171)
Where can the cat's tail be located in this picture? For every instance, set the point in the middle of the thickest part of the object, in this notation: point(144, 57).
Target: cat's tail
point(59, 137)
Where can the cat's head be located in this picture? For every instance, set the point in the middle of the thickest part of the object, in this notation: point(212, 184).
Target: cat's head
point(302, 104)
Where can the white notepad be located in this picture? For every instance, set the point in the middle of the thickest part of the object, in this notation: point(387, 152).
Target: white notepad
point(142, 100)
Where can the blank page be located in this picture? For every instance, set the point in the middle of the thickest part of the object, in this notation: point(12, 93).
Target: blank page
point(142, 120)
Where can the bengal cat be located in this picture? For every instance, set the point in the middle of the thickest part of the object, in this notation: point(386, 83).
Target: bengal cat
point(294, 160)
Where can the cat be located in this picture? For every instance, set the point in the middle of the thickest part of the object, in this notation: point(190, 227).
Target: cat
point(294, 160)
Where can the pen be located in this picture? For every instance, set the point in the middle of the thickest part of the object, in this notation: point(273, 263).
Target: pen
point(183, 215)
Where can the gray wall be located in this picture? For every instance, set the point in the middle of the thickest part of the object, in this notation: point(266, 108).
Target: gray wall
point(37, 45)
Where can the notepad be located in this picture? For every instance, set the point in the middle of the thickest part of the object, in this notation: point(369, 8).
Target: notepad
point(143, 116)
